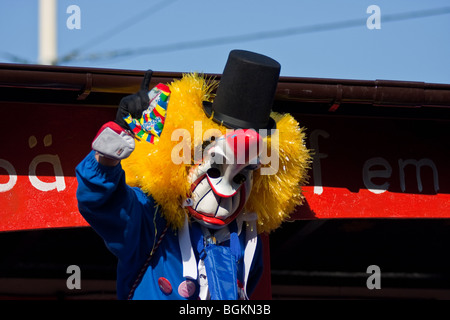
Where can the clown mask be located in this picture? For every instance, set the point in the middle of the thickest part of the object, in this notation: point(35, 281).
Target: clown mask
point(222, 182)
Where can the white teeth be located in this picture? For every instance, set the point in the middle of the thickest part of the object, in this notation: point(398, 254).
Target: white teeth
point(206, 201)
point(202, 188)
point(208, 204)
point(228, 206)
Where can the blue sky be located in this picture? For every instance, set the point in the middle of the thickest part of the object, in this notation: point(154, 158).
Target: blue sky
point(151, 30)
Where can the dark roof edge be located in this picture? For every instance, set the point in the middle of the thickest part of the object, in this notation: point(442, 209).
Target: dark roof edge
point(296, 89)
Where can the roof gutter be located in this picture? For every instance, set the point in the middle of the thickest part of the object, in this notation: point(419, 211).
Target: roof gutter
point(85, 81)
point(378, 92)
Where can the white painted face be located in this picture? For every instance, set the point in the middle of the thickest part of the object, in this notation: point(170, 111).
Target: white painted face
point(221, 184)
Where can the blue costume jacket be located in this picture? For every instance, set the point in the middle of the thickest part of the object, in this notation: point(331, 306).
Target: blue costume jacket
point(130, 224)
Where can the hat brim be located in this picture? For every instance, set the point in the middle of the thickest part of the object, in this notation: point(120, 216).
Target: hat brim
point(235, 123)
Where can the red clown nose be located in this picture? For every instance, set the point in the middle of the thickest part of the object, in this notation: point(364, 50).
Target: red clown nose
point(245, 144)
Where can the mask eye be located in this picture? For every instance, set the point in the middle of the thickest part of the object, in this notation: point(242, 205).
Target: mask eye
point(239, 178)
point(213, 173)
point(206, 143)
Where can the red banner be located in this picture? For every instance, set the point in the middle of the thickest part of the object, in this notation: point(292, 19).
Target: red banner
point(41, 146)
point(363, 167)
point(377, 168)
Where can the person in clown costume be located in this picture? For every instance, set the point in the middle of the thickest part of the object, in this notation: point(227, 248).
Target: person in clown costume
point(180, 185)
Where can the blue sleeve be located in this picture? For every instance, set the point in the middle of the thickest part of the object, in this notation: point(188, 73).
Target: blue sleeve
point(123, 216)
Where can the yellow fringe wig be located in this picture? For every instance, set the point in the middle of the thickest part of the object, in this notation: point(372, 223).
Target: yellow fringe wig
point(150, 166)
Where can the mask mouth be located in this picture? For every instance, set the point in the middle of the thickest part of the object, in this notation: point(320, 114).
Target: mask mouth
point(210, 217)
point(222, 182)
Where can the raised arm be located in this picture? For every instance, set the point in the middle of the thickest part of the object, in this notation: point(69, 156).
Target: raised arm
point(115, 210)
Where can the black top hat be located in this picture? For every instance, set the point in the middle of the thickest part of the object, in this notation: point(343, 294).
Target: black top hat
point(246, 92)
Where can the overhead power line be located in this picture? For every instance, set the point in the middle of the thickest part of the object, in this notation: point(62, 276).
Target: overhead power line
point(74, 54)
point(256, 36)
point(108, 34)
point(14, 58)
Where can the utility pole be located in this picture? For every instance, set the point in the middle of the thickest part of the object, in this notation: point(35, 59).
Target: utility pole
point(47, 32)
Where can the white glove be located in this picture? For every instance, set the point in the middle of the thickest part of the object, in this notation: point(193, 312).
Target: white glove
point(113, 141)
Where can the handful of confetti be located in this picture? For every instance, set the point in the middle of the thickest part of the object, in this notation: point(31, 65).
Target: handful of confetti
point(150, 125)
